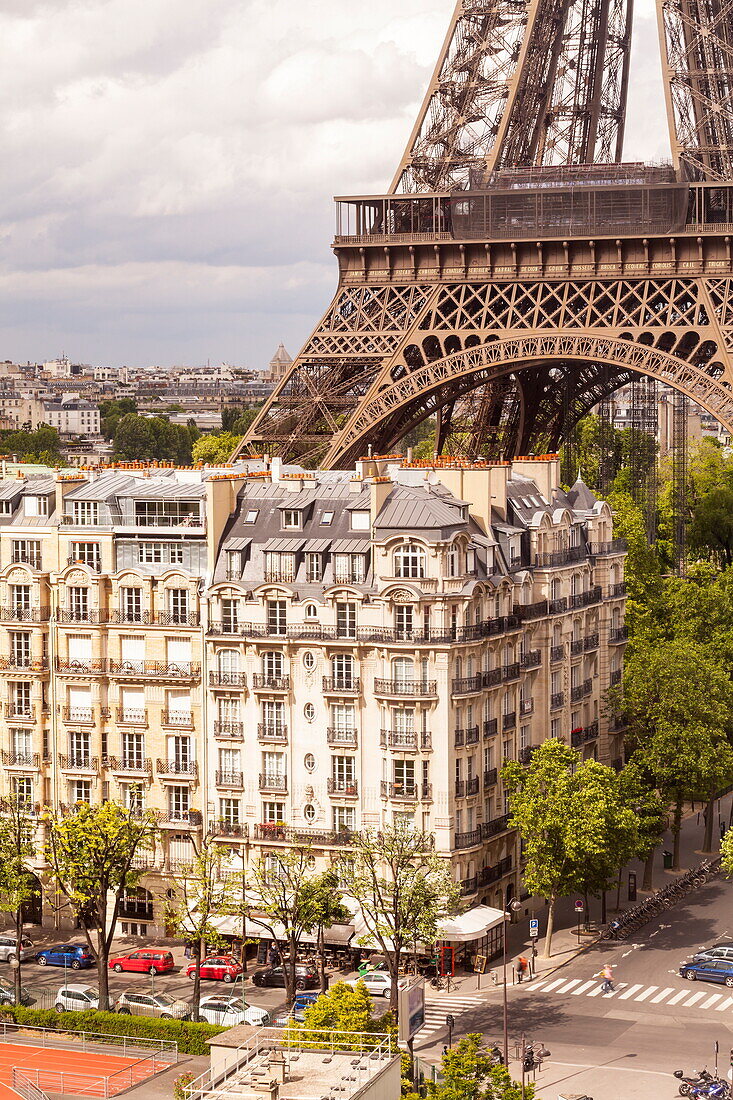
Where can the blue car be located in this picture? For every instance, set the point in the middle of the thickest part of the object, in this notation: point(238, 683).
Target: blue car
point(75, 955)
point(709, 970)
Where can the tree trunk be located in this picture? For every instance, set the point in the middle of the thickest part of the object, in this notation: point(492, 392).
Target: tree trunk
point(550, 928)
point(648, 880)
point(618, 891)
point(196, 998)
point(322, 959)
point(18, 940)
point(103, 973)
point(289, 966)
point(393, 961)
point(707, 844)
point(676, 831)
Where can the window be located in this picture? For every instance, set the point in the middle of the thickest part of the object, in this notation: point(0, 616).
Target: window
point(273, 664)
point(309, 762)
point(180, 755)
point(20, 598)
point(291, 519)
point(251, 515)
point(404, 774)
point(309, 712)
point(28, 551)
point(470, 561)
point(343, 716)
point(234, 563)
point(326, 519)
point(36, 506)
point(403, 670)
point(343, 771)
point(309, 812)
point(230, 616)
point(78, 604)
point(167, 513)
point(309, 661)
point(273, 813)
point(342, 671)
point(349, 568)
point(133, 749)
point(85, 511)
point(361, 521)
point(343, 817)
point(452, 561)
point(132, 796)
point(310, 611)
point(156, 553)
point(314, 566)
point(131, 605)
point(20, 699)
point(230, 764)
point(228, 710)
point(346, 620)
point(79, 749)
point(23, 789)
point(20, 648)
point(228, 663)
point(273, 715)
point(229, 811)
point(273, 765)
point(178, 803)
point(276, 616)
point(88, 553)
point(279, 567)
point(409, 561)
point(403, 621)
point(80, 790)
point(178, 605)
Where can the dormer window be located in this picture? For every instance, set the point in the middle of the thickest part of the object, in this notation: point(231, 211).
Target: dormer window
point(453, 561)
point(85, 511)
point(291, 519)
point(361, 521)
point(6, 508)
point(35, 506)
point(251, 516)
point(326, 519)
point(409, 561)
point(470, 561)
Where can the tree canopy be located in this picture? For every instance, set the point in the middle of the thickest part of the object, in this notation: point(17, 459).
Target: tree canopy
point(214, 449)
point(141, 438)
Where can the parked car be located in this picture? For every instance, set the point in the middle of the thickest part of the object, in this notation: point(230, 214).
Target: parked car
point(7, 993)
point(709, 970)
point(161, 1005)
point(223, 968)
point(378, 982)
point(75, 955)
point(149, 961)
point(228, 1011)
point(722, 950)
point(76, 998)
point(296, 1014)
point(9, 949)
point(305, 976)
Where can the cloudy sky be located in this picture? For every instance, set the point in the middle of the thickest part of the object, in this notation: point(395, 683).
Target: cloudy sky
point(167, 166)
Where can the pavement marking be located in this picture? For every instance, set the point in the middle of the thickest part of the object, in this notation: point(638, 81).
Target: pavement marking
point(677, 997)
point(647, 993)
point(553, 985)
point(538, 985)
point(630, 992)
point(585, 986)
point(724, 1004)
point(595, 992)
point(711, 1000)
point(568, 986)
point(660, 996)
point(695, 997)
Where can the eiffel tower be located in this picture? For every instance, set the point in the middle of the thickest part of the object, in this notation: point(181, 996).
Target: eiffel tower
point(518, 271)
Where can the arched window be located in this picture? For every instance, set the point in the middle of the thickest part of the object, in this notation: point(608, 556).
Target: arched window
point(409, 561)
point(403, 669)
point(228, 660)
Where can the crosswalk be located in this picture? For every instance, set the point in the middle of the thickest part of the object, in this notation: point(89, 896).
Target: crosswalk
point(437, 1010)
point(638, 994)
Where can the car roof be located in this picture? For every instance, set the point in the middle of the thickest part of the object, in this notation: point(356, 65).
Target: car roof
point(79, 988)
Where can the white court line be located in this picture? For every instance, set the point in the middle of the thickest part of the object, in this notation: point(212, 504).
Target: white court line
point(711, 1000)
point(677, 997)
point(724, 1004)
point(647, 993)
point(568, 986)
point(695, 997)
point(582, 988)
point(630, 992)
point(660, 996)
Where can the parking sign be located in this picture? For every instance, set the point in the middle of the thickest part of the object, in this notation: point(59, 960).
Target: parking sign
point(534, 928)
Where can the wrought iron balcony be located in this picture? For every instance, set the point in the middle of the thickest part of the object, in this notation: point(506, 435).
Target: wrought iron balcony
point(398, 790)
point(510, 672)
point(131, 764)
point(21, 760)
point(93, 666)
point(24, 614)
point(467, 685)
point(228, 729)
point(509, 720)
point(228, 679)
point(618, 634)
point(526, 706)
point(232, 828)
point(176, 718)
point(28, 558)
point(345, 737)
point(177, 819)
point(615, 546)
point(348, 787)
point(472, 785)
point(615, 678)
point(460, 788)
point(495, 826)
point(412, 689)
point(81, 716)
point(426, 792)
point(127, 716)
point(81, 615)
point(469, 886)
point(576, 693)
point(576, 647)
point(78, 762)
point(186, 769)
point(526, 754)
point(93, 563)
point(342, 685)
point(616, 590)
point(164, 670)
point(558, 605)
point(557, 699)
point(560, 557)
point(288, 834)
point(467, 840)
point(591, 642)
point(22, 664)
point(273, 782)
point(585, 599)
point(527, 611)
point(272, 731)
point(490, 777)
point(262, 682)
point(401, 740)
point(557, 652)
point(533, 659)
point(19, 712)
point(230, 779)
point(490, 727)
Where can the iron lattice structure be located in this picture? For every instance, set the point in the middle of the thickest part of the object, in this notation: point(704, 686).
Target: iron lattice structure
point(517, 273)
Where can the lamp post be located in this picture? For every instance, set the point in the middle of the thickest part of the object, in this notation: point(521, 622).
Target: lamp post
point(512, 907)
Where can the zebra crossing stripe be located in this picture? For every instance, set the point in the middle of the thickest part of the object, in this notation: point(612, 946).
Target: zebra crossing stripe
point(583, 988)
point(568, 986)
point(677, 997)
point(630, 992)
point(695, 997)
point(554, 985)
point(647, 993)
point(725, 1004)
point(711, 1000)
point(665, 993)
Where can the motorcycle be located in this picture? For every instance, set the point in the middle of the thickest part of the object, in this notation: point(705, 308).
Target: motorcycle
point(710, 1090)
point(689, 1082)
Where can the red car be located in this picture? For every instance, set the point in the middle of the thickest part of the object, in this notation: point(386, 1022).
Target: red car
point(223, 968)
point(148, 960)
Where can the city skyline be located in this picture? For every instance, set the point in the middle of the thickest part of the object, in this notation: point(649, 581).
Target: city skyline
point(208, 247)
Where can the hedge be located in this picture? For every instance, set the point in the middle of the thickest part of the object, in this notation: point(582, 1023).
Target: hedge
point(191, 1038)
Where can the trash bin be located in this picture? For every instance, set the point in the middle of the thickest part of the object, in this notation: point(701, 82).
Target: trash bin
point(667, 857)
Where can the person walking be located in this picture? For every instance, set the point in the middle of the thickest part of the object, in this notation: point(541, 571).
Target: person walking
point(522, 966)
point(607, 975)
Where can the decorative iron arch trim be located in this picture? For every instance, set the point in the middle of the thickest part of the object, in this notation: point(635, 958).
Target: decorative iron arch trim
point(505, 355)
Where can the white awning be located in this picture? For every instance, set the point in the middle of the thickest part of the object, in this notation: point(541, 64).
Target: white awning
point(472, 925)
point(255, 930)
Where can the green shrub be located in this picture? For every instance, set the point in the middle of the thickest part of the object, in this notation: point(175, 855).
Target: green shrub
point(191, 1038)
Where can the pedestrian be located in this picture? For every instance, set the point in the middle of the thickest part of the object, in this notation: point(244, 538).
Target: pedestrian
point(607, 974)
point(522, 966)
point(445, 1050)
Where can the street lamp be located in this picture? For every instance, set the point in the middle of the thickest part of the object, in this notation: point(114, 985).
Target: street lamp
point(512, 907)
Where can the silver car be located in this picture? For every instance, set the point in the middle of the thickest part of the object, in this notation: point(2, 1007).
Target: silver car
point(76, 998)
point(9, 949)
point(7, 993)
point(161, 1005)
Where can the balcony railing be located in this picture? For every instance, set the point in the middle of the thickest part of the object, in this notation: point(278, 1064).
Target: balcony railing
point(185, 520)
point(618, 634)
point(21, 760)
point(19, 712)
point(533, 659)
point(343, 736)
point(181, 719)
point(472, 785)
point(557, 699)
point(468, 885)
point(23, 664)
point(526, 706)
point(228, 679)
point(460, 788)
point(493, 874)
point(558, 605)
point(295, 836)
point(579, 736)
point(411, 688)
point(591, 642)
point(81, 615)
point(615, 546)
point(467, 840)
point(587, 686)
point(426, 792)
point(342, 786)
point(273, 782)
point(560, 557)
point(188, 769)
point(527, 611)
point(372, 635)
point(495, 826)
point(32, 559)
point(616, 590)
point(93, 666)
point(557, 652)
point(78, 715)
point(272, 731)
point(167, 670)
point(509, 720)
point(132, 617)
point(490, 727)
point(342, 685)
point(398, 790)
point(127, 716)
point(230, 779)
point(615, 678)
point(93, 563)
point(576, 693)
point(181, 818)
point(137, 764)
point(465, 685)
point(576, 647)
point(78, 762)
point(585, 599)
point(24, 614)
point(510, 672)
point(261, 682)
point(401, 740)
point(228, 729)
point(490, 777)
point(526, 753)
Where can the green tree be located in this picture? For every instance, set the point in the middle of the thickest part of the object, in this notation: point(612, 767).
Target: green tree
point(678, 703)
point(201, 892)
point(17, 849)
point(469, 1072)
point(215, 449)
point(711, 527)
point(42, 445)
point(643, 573)
point(403, 889)
point(638, 791)
point(92, 854)
point(343, 1008)
point(726, 853)
point(574, 824)
point(133, 439)
point(112, 411)
point(326, 908)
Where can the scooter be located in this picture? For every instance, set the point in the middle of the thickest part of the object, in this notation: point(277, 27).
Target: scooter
point(687, 1083)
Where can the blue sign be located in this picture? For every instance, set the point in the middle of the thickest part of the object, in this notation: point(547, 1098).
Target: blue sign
point(534, 928)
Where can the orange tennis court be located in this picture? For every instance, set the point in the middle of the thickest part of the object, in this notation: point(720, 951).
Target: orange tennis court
point(83, 1073)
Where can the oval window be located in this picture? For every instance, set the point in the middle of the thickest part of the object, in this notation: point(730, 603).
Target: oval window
point(309, 762)
point(309, 812)
point(309, 661)
point(309, 711)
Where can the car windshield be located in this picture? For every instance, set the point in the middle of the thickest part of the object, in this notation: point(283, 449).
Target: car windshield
point(164, 999)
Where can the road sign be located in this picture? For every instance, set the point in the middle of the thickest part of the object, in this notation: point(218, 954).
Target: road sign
point(534, 928)
point(579, 906)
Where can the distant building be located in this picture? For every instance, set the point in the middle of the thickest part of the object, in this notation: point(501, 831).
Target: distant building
point(72, 416)
point(278, 367)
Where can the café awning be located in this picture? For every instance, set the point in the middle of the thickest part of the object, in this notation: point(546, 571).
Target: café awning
point(471, 925)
